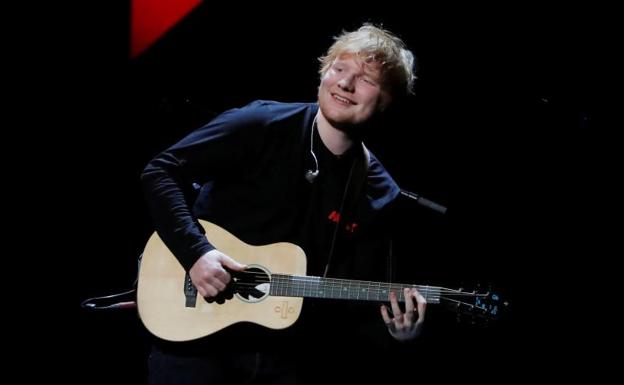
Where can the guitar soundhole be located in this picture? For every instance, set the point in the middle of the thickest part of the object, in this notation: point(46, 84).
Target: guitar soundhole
point(253, 284)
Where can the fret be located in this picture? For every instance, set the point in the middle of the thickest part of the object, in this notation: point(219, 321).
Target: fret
point(296, 289)
point(274, 290)
point(319, 287)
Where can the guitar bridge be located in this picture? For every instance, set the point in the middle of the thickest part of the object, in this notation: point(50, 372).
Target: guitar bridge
point(190, 291)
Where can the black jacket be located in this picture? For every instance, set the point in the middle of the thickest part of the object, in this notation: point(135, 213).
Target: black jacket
point(251, 164)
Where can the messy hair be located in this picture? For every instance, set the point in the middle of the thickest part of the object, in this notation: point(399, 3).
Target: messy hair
point(374, 44)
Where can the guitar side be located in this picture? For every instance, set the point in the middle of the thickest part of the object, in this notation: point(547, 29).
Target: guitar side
point(162, 303)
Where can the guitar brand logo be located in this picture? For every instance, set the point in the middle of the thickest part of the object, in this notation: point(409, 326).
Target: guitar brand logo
point(284, 309)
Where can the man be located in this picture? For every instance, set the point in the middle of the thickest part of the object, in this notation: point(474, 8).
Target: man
point(286, 172)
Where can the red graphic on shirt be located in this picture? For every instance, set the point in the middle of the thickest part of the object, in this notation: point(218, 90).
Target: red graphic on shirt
point(334, 216)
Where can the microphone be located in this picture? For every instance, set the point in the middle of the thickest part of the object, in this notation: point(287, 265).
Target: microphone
point(311, 175)
point(424, 202)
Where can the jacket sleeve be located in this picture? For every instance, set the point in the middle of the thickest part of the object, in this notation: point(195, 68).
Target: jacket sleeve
point(217, 150)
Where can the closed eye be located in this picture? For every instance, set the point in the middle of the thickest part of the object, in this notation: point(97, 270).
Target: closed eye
point(370, 81)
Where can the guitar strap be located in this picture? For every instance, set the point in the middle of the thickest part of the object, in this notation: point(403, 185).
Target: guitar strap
point(122, 300)
point(351, 197)
point(355, 184)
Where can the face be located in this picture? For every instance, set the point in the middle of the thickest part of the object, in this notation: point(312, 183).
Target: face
point(351, 92)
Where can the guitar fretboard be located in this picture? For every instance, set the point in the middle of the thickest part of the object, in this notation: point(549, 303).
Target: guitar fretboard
point(332, 288)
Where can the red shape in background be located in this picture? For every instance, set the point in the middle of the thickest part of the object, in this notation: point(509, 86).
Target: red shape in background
point(150, 19)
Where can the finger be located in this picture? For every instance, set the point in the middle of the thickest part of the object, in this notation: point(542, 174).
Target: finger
point(422, 305)
point(217, 277)
point(232, 264)
point(220, 281)
point(394, 302)
point(385, 315)
point(201, 291)
point(409, 303)
point(210, 291)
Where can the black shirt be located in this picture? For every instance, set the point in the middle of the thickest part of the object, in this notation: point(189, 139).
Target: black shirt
point(251, 163)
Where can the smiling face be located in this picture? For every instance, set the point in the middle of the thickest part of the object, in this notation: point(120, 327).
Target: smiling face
point(352, 92)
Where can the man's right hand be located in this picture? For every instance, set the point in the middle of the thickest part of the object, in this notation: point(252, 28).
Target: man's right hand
point(209, 274)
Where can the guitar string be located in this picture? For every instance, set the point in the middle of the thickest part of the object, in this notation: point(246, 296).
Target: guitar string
point(376, 291)
point(312, 279)
point(466, 303)
point(431, 295)
point(293, 285)
point(297, 279)
point(371, 286)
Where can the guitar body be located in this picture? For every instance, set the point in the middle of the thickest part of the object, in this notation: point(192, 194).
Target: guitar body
point(269, 292)
point(165, 311)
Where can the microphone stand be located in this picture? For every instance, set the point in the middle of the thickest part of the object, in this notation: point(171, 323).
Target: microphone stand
point(424, 202)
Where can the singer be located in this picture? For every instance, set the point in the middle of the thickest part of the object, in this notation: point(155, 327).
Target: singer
point(292, 172)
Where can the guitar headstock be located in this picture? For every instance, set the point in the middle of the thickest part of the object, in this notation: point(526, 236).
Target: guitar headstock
point(476, 306)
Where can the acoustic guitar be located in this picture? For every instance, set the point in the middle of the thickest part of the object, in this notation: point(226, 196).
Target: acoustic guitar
point(269, 292)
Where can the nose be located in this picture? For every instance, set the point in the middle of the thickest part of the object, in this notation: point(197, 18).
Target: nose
point(347, 83)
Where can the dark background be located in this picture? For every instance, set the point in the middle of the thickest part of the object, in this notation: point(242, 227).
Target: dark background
point(503, 99)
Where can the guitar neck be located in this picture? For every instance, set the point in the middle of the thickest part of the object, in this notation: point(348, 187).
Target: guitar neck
point(317, 287)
